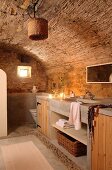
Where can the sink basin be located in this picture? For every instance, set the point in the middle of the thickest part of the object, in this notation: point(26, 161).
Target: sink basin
point(97, 101)
point(94, 101)
point(89, 101)
point(73, 99)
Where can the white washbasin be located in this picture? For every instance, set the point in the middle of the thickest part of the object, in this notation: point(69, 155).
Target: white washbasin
point(82, 100)
point(100, 101)
point(89, 101)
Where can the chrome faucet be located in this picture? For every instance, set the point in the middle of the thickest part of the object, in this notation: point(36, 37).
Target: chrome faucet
point(89, 95)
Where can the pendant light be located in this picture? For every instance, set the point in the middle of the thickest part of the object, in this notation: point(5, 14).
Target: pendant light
point(37, 27)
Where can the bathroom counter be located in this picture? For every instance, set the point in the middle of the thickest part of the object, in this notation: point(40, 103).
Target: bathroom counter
point(104, 111)
point(63, 106)
point(55, 109)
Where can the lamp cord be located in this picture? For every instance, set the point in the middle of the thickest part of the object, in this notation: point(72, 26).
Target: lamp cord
point(34, 9)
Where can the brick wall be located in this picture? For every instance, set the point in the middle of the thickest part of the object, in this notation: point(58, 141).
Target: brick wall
point(9, 62)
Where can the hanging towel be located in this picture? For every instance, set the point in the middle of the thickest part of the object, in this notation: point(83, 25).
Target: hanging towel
point(75, 115)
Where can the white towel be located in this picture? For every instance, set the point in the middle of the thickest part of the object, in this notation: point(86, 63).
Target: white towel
point(61, 123)
point(75, 115)
point(64, 124)
point(62, 120)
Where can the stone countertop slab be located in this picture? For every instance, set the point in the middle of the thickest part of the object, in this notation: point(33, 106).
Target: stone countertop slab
point(63, 106)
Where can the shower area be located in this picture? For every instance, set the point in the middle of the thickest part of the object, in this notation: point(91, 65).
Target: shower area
point(20, 106)
point(20, 96)
point(15, 110)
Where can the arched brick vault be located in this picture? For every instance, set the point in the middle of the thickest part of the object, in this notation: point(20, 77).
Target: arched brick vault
point(80, 34)
point(11, 57)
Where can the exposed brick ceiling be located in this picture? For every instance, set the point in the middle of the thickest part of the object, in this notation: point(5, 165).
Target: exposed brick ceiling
point(80, 31)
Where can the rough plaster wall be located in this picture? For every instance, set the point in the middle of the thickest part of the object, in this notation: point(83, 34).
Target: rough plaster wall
point(19, 105)
point(74, 79)
point(9, 62)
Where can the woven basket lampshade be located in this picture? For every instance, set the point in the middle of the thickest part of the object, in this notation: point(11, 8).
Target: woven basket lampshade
point(38, 29)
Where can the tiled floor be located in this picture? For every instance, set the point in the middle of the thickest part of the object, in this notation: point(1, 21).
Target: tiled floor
point(51, 158)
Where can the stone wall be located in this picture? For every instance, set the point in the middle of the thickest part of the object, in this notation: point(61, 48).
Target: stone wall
point(74, 79)
point(9, 62)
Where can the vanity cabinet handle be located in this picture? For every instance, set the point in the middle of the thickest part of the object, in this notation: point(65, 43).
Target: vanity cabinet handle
point(38, 103)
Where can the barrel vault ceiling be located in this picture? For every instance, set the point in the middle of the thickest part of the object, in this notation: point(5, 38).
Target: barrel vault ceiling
point(80, 31)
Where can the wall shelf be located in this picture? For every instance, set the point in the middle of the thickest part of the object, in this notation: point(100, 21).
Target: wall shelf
point(80, 135)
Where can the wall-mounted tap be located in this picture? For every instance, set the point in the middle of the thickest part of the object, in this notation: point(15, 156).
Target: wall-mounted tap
point(89, 95)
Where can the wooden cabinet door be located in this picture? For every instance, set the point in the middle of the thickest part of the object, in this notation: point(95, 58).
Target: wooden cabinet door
point(102, 143)
point(42, 111)
point(39, 115)
point(45, 118)
point(95, 146)
point(108, 141)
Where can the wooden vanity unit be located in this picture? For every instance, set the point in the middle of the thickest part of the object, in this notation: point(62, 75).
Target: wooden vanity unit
point(49, 112)
point(102, 143)
point(99, 149)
